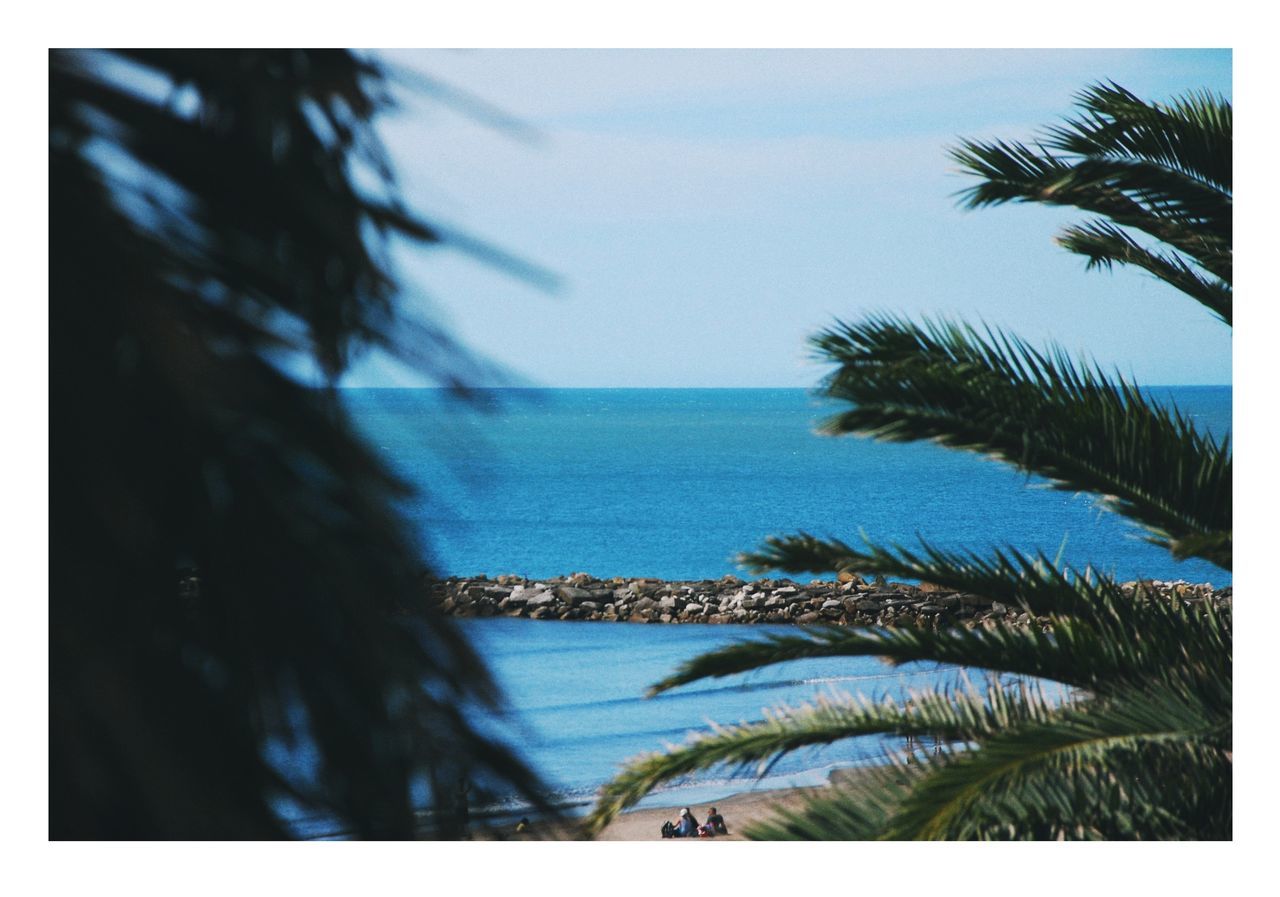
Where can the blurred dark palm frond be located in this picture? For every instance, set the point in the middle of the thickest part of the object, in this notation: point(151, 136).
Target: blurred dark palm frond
point(220, 221)
point(1140, 744)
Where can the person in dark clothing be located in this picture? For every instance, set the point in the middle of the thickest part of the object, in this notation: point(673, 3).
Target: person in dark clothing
point(715, 823)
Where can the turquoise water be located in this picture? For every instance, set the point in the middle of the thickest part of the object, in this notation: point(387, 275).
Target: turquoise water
point(672, 483)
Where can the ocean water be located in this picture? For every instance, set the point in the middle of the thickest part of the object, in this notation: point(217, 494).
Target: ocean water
point(577, 695)
point(672, 483)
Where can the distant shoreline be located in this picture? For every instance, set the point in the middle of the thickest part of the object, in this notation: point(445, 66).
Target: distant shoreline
point(849, 601)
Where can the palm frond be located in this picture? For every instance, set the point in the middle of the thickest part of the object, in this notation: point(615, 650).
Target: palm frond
point(960, 716)
point(1173, 209)
point(1143, 763)
point(857, 810)
point(1036, 410)
point(1077, 654)
point(1106, 245)
point(1027, 774)
point(1191, 134)
point(1132, 790)
point(215, 217)
point(1164, 170)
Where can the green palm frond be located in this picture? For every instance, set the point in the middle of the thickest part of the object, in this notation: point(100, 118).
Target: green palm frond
point(1099, 658)
point(1191, 134)
point(1164, 205)
point(1026, 772)
point(852, 811)
point(960, 716)
point(1162, 169)
point(1032, 582)
point(1006, 575)
point(1106, 245)
point(1038, 411)
point(1106, 633)
point(1161, 790)
point(1049, 774)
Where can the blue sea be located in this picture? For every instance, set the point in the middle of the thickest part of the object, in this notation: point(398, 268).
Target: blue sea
point(672, 483)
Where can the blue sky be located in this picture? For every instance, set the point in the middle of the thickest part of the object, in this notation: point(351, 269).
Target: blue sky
point(707, 210)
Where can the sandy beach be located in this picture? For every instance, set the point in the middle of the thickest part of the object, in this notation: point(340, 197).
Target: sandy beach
point(739, 812)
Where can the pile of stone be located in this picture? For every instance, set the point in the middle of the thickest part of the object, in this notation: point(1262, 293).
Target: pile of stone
point(850, 601)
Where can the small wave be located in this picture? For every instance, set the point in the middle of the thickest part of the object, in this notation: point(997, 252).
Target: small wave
point(737, 688)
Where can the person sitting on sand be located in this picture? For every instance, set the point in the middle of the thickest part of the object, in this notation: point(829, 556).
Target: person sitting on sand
point(715, 824)
point(686, 826)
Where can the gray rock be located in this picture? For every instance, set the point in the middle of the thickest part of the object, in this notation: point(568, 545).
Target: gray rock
point(573, 595)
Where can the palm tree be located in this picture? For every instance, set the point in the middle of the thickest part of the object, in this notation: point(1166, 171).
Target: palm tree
point(1142, 747)
point(237, 625)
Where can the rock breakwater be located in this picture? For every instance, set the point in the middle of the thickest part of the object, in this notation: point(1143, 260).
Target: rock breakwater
point(851, 601)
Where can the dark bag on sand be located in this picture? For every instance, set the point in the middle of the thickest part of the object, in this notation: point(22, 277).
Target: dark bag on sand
point(668, 830)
